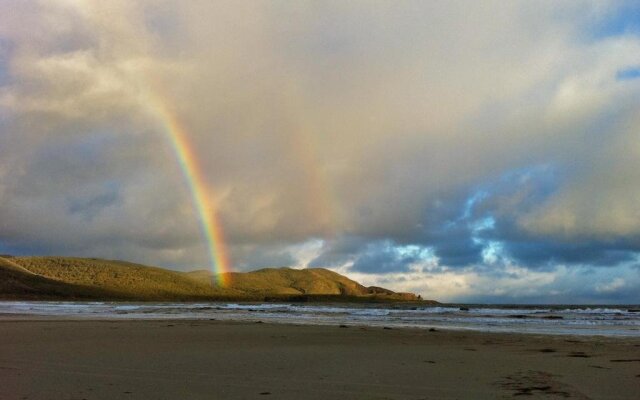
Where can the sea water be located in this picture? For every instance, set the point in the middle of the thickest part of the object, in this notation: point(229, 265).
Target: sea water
point(565, 320)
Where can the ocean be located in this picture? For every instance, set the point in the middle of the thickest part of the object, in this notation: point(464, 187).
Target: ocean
point(612, 321)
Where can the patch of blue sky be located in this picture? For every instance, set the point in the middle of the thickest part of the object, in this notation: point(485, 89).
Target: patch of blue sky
point(492, 252)
point(543, 178)
point(483, 224)
point(471, 203)
point(386, 256)
point(467, 210)
point(415, 252)
point(629, 73)
point(624, 20)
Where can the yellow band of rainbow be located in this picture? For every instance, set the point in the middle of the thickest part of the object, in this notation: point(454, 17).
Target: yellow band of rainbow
point(202, 201)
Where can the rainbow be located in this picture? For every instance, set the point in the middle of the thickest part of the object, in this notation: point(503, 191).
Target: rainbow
point(305, 148)
point(202, 200)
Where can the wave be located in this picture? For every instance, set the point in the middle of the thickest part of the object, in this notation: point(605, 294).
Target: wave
point(611, 321)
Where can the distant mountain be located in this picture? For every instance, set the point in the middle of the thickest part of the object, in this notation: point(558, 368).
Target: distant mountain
point(88, 278)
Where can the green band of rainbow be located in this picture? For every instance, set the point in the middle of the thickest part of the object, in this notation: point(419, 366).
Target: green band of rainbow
point(202, 201)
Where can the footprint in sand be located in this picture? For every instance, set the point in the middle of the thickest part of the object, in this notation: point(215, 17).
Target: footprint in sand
point(578, 354)
point(547, 350)
point(532, 383)
point(598, 367)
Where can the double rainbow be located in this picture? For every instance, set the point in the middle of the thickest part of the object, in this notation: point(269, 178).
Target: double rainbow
point(200, 194)
point(303, 145)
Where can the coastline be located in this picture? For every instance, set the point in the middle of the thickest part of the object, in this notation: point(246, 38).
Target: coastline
point(193, 359)
point(546, 320)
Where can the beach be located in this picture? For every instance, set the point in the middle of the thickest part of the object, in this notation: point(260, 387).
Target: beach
point(54, 358)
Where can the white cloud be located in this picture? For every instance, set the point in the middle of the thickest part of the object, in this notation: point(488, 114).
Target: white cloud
point(611, 287)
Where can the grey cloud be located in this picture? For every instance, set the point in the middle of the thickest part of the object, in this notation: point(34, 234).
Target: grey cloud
point(339, 251)
point(261, 256)
point(367, 126)
point(615, 286)
point(383, 258)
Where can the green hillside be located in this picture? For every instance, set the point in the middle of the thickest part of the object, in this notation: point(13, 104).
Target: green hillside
point(287, 281)
point(82, 278)
point(300, 282)
point(19, 283)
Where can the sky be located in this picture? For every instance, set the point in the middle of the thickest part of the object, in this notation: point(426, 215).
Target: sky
point(468, 151)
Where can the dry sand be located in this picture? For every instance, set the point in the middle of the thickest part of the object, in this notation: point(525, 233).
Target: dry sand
point(222, 360)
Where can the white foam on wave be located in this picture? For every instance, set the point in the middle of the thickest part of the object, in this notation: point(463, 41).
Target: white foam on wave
point(596, 311)
point(508, 311)
point(584, 321)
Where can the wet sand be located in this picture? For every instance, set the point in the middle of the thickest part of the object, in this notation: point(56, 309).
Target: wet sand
point(223, 360)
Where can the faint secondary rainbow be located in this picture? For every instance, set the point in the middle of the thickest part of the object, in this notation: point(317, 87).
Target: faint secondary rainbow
point(305, 148)
point(206, 208)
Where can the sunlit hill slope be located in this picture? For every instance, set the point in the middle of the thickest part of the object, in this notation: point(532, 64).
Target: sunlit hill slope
point(87, 278)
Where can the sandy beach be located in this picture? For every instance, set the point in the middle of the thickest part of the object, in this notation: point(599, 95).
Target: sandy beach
point(90, 360)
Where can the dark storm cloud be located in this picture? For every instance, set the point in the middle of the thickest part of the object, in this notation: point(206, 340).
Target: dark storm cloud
point(542, 252)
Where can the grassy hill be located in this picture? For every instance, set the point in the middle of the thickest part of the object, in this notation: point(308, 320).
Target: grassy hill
point(82, 278)
point(17, 282)
point(62, 277)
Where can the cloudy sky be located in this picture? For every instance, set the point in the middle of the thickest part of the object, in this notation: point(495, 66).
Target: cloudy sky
point(467, 151)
